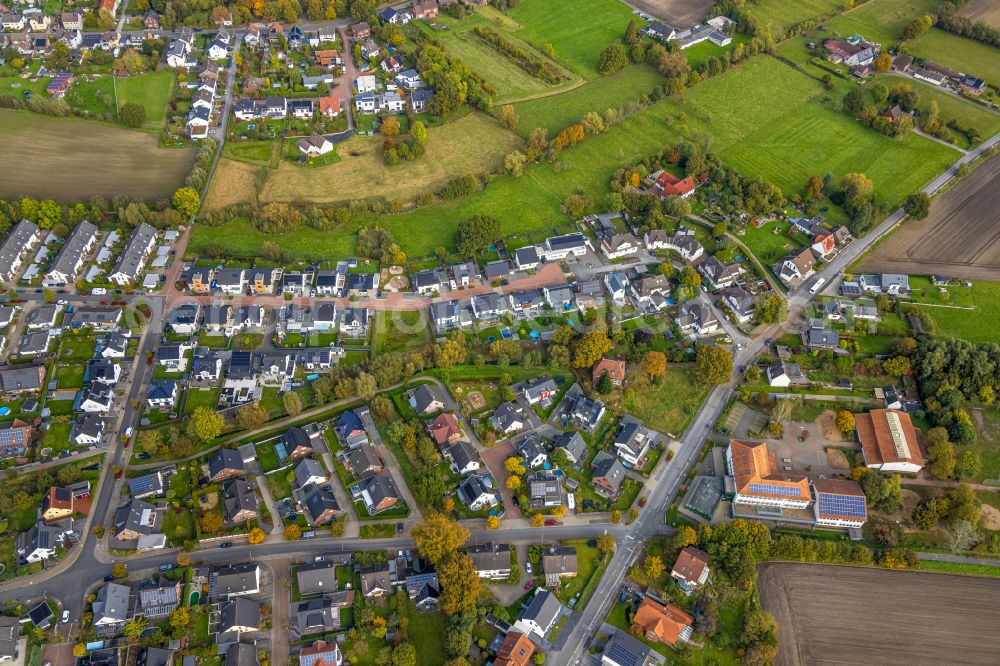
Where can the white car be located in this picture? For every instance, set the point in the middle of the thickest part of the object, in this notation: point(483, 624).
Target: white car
point(99, 291)
point(62, 301)
point(65, 616)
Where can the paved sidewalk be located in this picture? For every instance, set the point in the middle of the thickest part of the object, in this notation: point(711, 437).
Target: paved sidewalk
point(276, 523)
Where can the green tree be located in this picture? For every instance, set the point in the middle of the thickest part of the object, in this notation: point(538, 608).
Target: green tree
point(653, 567)
point(186, 201)
point(149, 441)
point(292, 402)
point(514, 163)
point(929, 512)
point(614, 58)
point(604, 384)
point(969, 465)
point(917, 206)
point(135, 626)
point(120, 570)
point(206, 424)
point(770, 308)
point(508, 117)
point(251, 416)
point(476, 233)
point(132, 114)
point(606, 543)
point(419, 132)
point(713, 365)
point(897, 366)
point(405, 654)
point(460, 584)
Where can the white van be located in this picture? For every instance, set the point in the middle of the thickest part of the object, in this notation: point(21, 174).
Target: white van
point(99, 291)
point(816, 287)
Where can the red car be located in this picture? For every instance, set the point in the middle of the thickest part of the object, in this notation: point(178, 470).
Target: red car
point(550, 522)
point(105, 302)
point(529, 585)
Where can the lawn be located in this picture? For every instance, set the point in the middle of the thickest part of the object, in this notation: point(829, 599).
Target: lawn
point(98, 96)
point(427, 635)
point(959, 568)
point(959, 53)
point(249, 151)
point(510, 80)
point(279, 485)
point(378, 531)
point(669, 406)
point(702, 51)
point(7, 546)
point(882, 21)
point(559, 110)
point(76, 347)
point(70, 376)
point(200, 398)
point(767, 245)
point(587, 559)
point(979, 325)
point(178, 525)
point(400, 331)
point(784, 13)
point(966, 113)
point(266, 456)
point(57, 435)
point(578, 31)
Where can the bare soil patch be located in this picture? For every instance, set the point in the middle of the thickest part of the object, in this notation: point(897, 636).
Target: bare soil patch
point(232, 183)
point(959, 238)
point(681, 13)
point(836, 459)
point(987, 11)
point(72, 160)
point(846, 615)
point(989, 517)
point(476, 401)
point(473, 144)
point(827, 423)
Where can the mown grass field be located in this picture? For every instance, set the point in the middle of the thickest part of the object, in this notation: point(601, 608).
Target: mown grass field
point(560, 110)
point(965, 113)
point(72, 160)
point(577, 30)
point(473, 144)
point(959, 53)
point(979, 325)
point(511, 82)
point(882, 20)
point(785, 13)
point(98, 96)
point(243, 241)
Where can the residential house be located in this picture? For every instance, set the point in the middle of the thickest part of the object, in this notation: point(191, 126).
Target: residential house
point(57, 504)
point(491, 560)
point(375, 581)
point(362, 461)
point(354, 322)
point(615, 369)
point(531, 450)
point(463, 458)
point(314, 146)
point(239, 501)
point(310, 471)
point(820, 337)
point(315, 616)
point(361, 31)
point(136, 519)
point(429, 282)
point(889, 441)
point(463, 275)
point(691, 569)
point(235, 580)
point(111, 606)
point(651, 292)
point(225, 464)
point(39, 542)
point(162, 394)
point(589, 295)
point(239, 616)
point(378, 492)
point(697, 318)
point(666, 184)
point(851, 53)
point(444, 428)
point(507, 418)
point(573, 444)
point(158, 601)
point(183, 320)
point(684, 244)
point(72, 21)
point(758, 481)
point(425, 9)
point(740, 302)
point(585, 412)
point(616, 245)
point(98, 399)
point(447, 315)
point(148, 485)
point(424, 400)
point(539, 615)
point(840, 503)
point(783, 375)
point(558, 248)
point(70, 259)
point(527, 304)
point(516, 649)
point(351, 430)
point(498, 270)
point(662, 624)
point(478, 492)
point(560, 298)
point(559, 562)
point(230, 281)
point(88, 429)
point(624, 650)
point(490, 306)
point(545, 489)
point(796, 266)
point(300, 442)
point(540, 390)
point(632, 443)
point(373, 102)
point(18, 379)
point(321, 654)
point(320, 504)
point(420, 99)
point(316, 578)
point(616, 282)
point(19, 242)
point(719, 275)
point(609, 474)
point(527, 258)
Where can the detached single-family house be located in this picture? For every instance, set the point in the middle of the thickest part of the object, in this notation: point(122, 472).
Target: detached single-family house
point(615, 245)
point(719, 275)
point(696, 317)
point(691, 569)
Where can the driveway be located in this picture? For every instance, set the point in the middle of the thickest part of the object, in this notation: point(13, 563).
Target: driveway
point(281, 597)
point(494, 458)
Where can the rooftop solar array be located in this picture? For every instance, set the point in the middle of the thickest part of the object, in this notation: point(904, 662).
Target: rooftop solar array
point(774, 489)
point(842, 505)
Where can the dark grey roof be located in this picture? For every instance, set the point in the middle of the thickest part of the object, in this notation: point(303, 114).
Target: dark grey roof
point(490, 556)
point(21, 378)
point(543, 609)
point(315, 616)
point(624, 650)
point(239, 496)
point(241, 654)
point(239, 612)
point(236, 578)
point(153, 656)
point(573, 442)
point(423, 398)
point(462, 454)
point(225, 459)
point(497, 269)
point(316, 578)
point(10, 630)
point(130, 261)
point(72, 251)
point(317, 501)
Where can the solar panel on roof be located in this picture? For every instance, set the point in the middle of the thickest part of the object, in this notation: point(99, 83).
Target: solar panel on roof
point(774, 489)
point(842, 505)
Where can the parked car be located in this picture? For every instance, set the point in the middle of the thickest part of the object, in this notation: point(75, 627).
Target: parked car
point(65, 616)
point(226, 544)
point(529, 585)
point(166, 567)
point(98, 291)
point(550, 522)
point(109, 579)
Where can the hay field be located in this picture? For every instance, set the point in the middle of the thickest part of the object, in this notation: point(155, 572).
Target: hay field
point(472, 144)
point(72, 160)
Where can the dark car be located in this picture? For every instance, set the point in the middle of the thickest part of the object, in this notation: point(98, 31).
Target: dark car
point(26, 94)
point(109, 579)
point(142, 455)
point(226, 544)
point(399, 528)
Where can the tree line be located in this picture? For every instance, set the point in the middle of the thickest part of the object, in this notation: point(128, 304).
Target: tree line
point(949, 19)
